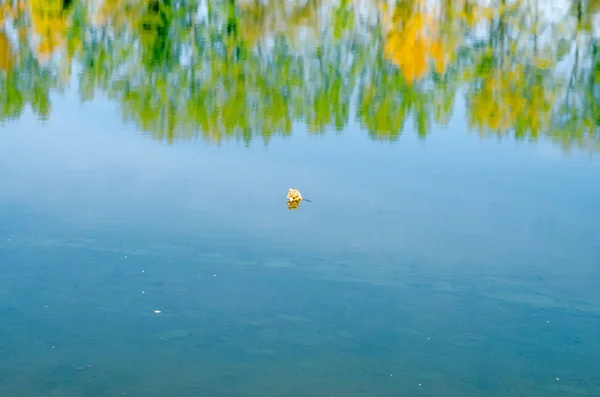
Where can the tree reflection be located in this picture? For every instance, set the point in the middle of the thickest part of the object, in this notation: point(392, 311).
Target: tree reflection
point(511, 84)
point(241, 69)
point(578, 114)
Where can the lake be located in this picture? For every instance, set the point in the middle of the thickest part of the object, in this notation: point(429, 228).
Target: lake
point(449, 150)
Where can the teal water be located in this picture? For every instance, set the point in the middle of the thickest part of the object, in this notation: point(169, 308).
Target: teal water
point(141, 260)
point(451, 267)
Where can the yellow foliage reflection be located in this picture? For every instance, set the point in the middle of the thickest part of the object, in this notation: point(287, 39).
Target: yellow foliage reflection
point(411, 40)
point(6, 53)
point(49, 20)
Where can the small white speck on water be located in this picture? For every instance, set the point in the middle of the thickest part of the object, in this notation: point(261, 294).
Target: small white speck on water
point(391, 375)
point(547, 321)
point(143, 292)
point(419, 384)
point(157, 312)
point(214, 275)
point(8, 239)
point(142, 270)
point(46, 306)
point(557, 378)
point(125, 256)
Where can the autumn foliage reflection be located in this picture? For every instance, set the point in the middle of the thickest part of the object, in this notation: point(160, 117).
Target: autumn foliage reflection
point(241, 69)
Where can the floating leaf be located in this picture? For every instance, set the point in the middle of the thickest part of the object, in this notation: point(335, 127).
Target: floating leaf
point(294, 198)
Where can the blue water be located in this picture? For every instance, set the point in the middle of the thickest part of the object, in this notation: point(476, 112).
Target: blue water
point(454, 266)
point(449, 150)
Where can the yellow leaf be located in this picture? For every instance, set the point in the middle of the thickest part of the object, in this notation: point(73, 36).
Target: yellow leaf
point(294, 198)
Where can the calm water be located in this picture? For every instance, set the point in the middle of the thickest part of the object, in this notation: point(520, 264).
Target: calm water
point(449, 149)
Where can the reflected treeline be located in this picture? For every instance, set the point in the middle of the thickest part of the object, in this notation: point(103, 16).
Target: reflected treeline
point(242, 69)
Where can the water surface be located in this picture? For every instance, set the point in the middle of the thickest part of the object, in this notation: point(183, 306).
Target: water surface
point(449, 150)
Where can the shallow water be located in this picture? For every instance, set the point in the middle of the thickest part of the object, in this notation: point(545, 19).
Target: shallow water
point(455, 262)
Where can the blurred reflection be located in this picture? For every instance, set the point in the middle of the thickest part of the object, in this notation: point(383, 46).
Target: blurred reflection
point(241, 69)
